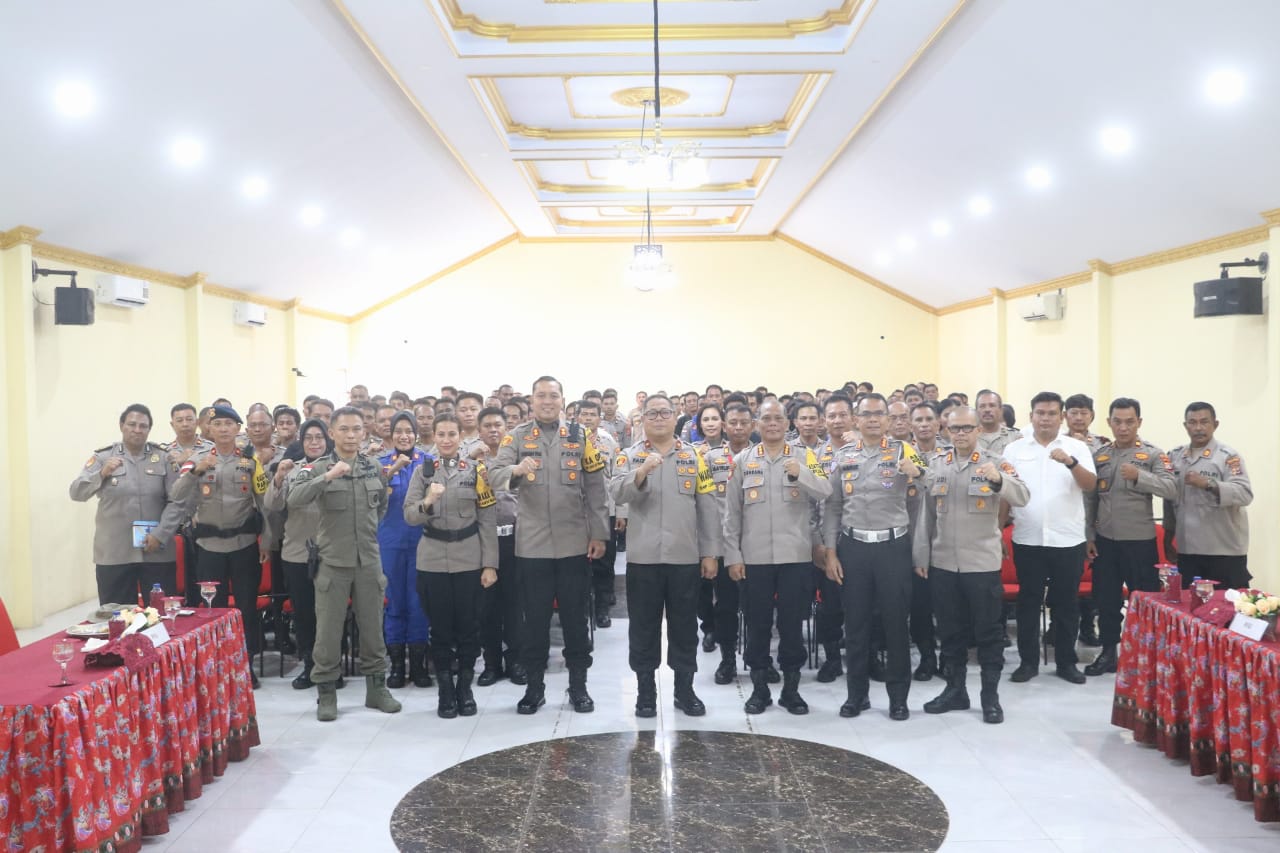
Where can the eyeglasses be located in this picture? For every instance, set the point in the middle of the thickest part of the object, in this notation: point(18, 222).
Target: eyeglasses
point(962, 429)
point(660, 414)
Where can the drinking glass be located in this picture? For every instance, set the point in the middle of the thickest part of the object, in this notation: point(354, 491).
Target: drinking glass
point(172, 604)
point(63, 651)
point(1204, 591)
point(208, 590)
point(1164, 578)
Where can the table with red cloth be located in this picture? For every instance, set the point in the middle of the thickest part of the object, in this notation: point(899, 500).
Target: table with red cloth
point(1202, 693)
point(99, 764)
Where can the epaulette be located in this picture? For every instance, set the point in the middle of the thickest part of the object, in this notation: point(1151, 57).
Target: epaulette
point(104, 449)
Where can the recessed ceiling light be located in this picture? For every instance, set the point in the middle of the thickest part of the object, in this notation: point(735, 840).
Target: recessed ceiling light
point(1224, 86)
point(312, 215)
point(979, 205)
point(74, 99)
point(906, 243)
point(186, 151)
point(883, 259)
point(349, 236)
point(1038, 177)
point(254, 187)
point(1116, 140)
point(940, 227)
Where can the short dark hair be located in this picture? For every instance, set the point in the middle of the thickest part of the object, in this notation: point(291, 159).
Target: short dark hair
point(838, 397)
point(140, 409)
point(542, 379)
point(489, 411)
point(584, 403)
point(182, 407)
point(346, 411)
point(657, 396)
point(1010, 416)
point(321, 401)
point(715, 386)
point(929, 385)
point(469, 395)
point(873, 396)
point(1047, 397)
point(1079, 401)
point(608, 394)
point(1124, 403)
point(287, 410)
point(446, 418)
point(735, 397)
point(310, 398)
point(591, 392)
point(736, 407)
point(805, 404)
point(925, 404)
point(868, 385)
point(983, 393)
point(1200, 406)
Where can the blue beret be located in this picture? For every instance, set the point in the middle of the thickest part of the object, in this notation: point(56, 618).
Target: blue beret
point(225, 412)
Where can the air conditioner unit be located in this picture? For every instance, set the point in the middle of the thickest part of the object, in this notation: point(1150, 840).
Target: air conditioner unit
point(122, 292)
point(1043, 306)
point(249, 314)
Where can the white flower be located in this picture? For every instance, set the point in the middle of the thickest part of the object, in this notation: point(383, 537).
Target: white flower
point(1248, 608)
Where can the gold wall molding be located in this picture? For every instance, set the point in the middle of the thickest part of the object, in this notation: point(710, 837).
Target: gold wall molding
point(976, 302)
point(17, 236)
point(1059, 283)
point(461, 21)
point(756, 182)
point(857, 273)
point(1272, 217)
point(85, 260)
point(322, 314)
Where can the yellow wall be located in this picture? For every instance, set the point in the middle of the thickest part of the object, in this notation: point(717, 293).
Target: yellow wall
point(966, 350)
point(743, 314)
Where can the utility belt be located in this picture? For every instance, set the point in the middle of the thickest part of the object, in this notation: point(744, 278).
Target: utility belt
point(252, 525)
point(506, 530)
point(451, 535)
point(873, 536)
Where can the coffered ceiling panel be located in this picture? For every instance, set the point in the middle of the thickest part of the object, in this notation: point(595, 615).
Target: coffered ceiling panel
point(621, 219)
point(739, 178)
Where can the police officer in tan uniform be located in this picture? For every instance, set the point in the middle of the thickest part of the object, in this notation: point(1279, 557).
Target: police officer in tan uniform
point(133, 481)
point(829, 620)
point(956, 545)
point(501, 618)
point(675, 531)
point(993, 434)
point(866, 531)
point(602, 570)
point(1209, 518)
point(352, 492)
point(734, 437)
point(558, 475)
point(769, 507)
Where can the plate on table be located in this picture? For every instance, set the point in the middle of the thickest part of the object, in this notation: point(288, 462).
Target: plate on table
point(92, 629)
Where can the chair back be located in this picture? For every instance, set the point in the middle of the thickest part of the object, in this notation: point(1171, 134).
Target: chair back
point(8, 636)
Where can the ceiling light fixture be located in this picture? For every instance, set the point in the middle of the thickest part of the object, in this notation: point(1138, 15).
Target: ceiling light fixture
point(940, 227)
point(1116, 140)
point(1224, 86)
point(979, 205)
point(652, 164)
point(254, 188)
point(1038, 177)
point(312, 215)
point(186, 151)
point(74, 99)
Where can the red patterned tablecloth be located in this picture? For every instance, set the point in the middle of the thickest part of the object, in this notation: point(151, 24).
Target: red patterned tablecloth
point(1204, 694)
point(97, 765)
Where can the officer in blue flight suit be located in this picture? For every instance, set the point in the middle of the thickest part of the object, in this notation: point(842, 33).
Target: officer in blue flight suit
point(405, 624)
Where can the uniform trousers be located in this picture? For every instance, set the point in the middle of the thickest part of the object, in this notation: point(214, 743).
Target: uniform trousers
point(1121, 563)
point(302, 594)
point(545, 583)
point(1060, 569)
point(653, 588)
point(877, 575)
point(602, 571)
point(406, 619)
point(707, 606)
point(1229, 571)
point(969, 604)
point(238, 573)
point(727, 597)
point(829, 621)
point(364, 587)
point(453, 599)
point(921, 614)
point(118, 584)
point(789, 588)
point(501, 619)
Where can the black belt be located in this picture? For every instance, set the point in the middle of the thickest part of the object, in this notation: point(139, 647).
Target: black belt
point(452, 535)
point(253, 524)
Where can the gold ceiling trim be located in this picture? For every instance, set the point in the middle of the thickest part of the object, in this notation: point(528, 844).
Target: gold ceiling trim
point(755, 182)
point(857, 273)
point(509, 126)
point(734, 219)
point(978, 302)
point(98, 263)
point(461, 21)
point(573, 109)
point(666, 238)
point(17, 236)
point(636, 97)
point(1059, 283)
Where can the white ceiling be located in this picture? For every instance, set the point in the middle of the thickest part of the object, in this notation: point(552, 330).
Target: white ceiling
point(438, 127)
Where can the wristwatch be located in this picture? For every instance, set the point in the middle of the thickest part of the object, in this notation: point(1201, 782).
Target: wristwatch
point(1074, 463)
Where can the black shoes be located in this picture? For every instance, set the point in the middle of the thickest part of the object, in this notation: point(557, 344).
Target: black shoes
point(1105, 662)
point(447, 698)
point(954, 697)
point(1089, 634)
point(685, 699)
point(991, 710)
point(727, 671)
point(875, 668)
point(790, 698)
point(603, 619)
point(708, 643)
point(772, 675)
point(534, 695)
point(579, 699)
point(646, 695)
point(853, 708)
point(395, 656)
point(419, 672)
point(466, 702)
point(517, 673)
point(831, 669)
point(898, 711)
point(1069, 672)
point(303, 681)
point(489, 676)
point(1025, 672)
point(928, 667)
point(760, 697)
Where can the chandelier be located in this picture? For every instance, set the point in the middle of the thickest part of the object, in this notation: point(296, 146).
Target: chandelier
point(648, 271)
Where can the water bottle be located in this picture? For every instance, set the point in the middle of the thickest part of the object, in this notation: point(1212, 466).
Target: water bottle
point(157, 597)
point(1175, 585)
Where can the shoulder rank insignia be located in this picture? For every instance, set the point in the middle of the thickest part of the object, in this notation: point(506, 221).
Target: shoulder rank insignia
point(507, 440)
point(1142, 456)
point(1233, 464)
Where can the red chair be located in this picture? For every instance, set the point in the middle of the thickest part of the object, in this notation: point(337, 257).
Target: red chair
point(8, 636)
point(180, 548)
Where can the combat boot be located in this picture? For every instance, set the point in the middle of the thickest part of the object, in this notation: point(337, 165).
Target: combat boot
point(377, 696)
point(954, 697)
point(535, 694)
point(760, 697)
point(395, 657)
point(831, 669)
point(466, 702)
point(685, 699)
point(790, 698)
point(579, 698)
point(646, 694)
point(327, 704)
point(991, 710)
point(419, 672)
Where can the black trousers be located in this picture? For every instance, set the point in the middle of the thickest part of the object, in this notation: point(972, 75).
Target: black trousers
point(1230, 572)
point(302, 594)
point(1120, 563)
point(829, 621)
point(728, 598)
point(969, 604)
point(655, 588)
point(1060, 569)
point(707, 606)
point(119, 584)
point(451, 601)
point(602, 572)
point(877, 574)
point(789, 587)
point(500, 614)
point(921, 614)
point(237, 573)
point(545, 583)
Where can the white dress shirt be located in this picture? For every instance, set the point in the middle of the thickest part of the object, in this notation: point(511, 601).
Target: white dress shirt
point(1054, 516)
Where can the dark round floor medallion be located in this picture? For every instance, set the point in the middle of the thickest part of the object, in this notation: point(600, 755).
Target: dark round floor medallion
point(682, 790)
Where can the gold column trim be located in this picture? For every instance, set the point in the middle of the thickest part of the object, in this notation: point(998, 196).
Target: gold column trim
point(1062, 281)
point(1096, 265)
point(242, 296)
point(76, 258)
point(17, 236)
point(857, 273)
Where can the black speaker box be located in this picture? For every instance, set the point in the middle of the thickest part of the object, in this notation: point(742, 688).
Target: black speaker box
point(72, 306)
point(1220, 297)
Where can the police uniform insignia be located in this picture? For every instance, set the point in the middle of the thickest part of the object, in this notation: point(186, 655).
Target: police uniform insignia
point(155, 457)
point(462, 465)
point(92, 459)
point(507, 440)
point(848, 488)
point(1207, 453)
point(1168, 463)
point(1008, 469)
point(573, 475)
point(753, 464)
point(206, 490)
point(975, 457)
point(888, 457)
point(1142, 456)
point(911, 492)
point(622, 460)
point(564, 432)
point(981, 504)
point(720, 488)
point(1233, 464)
point(950, 457)
point(1102, 485)
point(1104, 457)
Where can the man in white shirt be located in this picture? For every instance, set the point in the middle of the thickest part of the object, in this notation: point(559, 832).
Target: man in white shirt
point(1049, 535)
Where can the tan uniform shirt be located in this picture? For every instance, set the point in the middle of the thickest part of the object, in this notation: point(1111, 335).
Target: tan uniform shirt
point(1118, 508)
point(609, 450)
point(768, 517)
point(562, 503)
point(959, 529)
point(618, 427)
point(467, 500)
point(142, 489)
point(1211, 524)
point(674, 516)
point(997, 441)
point(299, 525)
point(224, 498)
point(869, 493)
point(350, 508)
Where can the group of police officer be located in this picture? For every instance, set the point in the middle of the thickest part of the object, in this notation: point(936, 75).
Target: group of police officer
point(892, 507)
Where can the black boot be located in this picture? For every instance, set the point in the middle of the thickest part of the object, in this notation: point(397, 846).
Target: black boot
point(875, 667)
point(395, 655)
point(991, 710)
point(954, 697)
point(303, 681)
point(534, 695)
point(686, 699)
point(790, 698)
point(447, 704)
point(517, 673)
point(579, 698)
point(727, 671)
point(1104, 662)
point(928, 667)
point(466, 702)
point(832, 668)
point(760, 697)
point(646, 694)
point(603, 620)
point(419, 673)
point(772, 675)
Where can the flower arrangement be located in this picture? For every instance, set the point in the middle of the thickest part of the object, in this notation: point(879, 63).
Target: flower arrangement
point(144, 617)
point(1255, 602)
